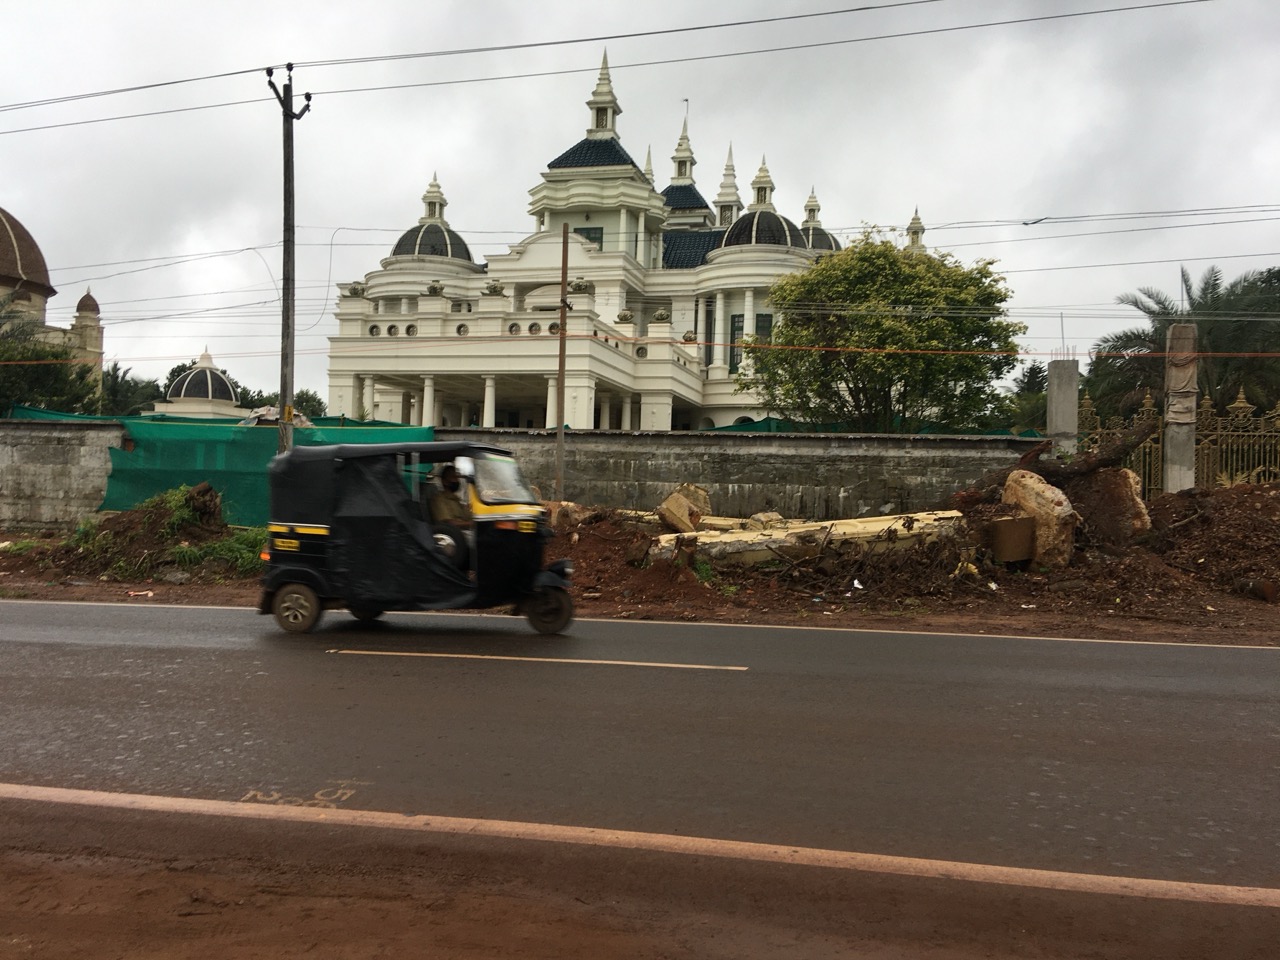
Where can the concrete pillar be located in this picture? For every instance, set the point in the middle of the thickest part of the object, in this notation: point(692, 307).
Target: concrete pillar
point(406, 407)
point(1181, 387)
point(749, 314)
point(1063, 402)
point(655, 411)
point(428, 416)
point(580, 402)
point(606, 411)
point(697, 317)
point(623, 230)
point(370, 403)
point(490, 412)
point(552, 419)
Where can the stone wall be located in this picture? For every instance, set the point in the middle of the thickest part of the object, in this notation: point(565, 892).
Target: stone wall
point(53, 473)
point(810, 476)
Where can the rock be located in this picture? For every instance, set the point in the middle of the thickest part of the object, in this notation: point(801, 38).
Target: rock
point(565, 515)
point(678, 513)
point(763, 521)
point(175, 577)
point(696, 495)
point(1055, 518)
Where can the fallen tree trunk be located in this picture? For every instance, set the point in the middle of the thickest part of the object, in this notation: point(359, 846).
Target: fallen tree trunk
point(1110, 454)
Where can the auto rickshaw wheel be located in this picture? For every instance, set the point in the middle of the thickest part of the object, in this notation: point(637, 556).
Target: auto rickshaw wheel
point(365, 614)
point(549, 610)
point(453, 544)
point(296, 608)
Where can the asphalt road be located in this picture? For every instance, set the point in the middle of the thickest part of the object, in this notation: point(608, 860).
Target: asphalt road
point(1134, 760)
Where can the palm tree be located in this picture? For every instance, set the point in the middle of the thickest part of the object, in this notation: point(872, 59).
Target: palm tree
point(1236, 326)
point(123, 395)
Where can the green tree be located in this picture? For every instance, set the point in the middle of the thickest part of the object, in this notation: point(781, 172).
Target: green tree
point(886, 340)
point(40, 374)
point(123, 395)
point(306, 402)
point(1034, 378)
point(1029, 404)
point(1236, 326)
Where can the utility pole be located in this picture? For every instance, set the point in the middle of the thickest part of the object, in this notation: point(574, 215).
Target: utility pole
point(285, 404)
point(564, 322)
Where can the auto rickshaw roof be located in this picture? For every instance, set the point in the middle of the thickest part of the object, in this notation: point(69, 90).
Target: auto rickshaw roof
point(435, 451)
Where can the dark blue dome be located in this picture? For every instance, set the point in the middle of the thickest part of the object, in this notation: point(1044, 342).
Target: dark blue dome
point(764, 226)
point(432, 240)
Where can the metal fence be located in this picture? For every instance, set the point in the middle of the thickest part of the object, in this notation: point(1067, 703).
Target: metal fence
point(1242, 447)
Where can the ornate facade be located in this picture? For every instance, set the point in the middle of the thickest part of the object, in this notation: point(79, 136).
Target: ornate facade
point(663, 287)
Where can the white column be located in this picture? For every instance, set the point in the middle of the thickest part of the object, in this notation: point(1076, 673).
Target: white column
point(580, 403)
point(427, 416)
point(406, 406)
point(623, 232)
point(552, 419)
point(489, 415)
point(606, 411)
point(655, 411)
point(721, 356)
point(749, 314)
point(370, 388)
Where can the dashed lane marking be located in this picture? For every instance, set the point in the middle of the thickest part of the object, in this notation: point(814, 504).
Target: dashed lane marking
point(667, 843)
point(486, 656)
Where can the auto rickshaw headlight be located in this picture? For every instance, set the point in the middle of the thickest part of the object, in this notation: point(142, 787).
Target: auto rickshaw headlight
point(562, 568)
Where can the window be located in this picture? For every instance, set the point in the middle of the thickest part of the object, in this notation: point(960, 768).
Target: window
point(455, 307)
point(375, 330)
point(553, 329)
point(708, 349)
point(513, 329)
point(535, 329)
point(411, 330)
point(432, 210)
point(393, 330)
point(762, 195)
point(682, 168)
point(602, 118)
point(735, 342)
point(461, 330)
point(726, 216)
point(593, 234)
point(764, 326)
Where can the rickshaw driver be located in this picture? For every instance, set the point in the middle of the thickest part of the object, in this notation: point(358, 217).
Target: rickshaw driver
point(445, 507)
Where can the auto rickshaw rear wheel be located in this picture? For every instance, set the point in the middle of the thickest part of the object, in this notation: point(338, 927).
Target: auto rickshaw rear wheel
point(365, 614)
point(296, 608)
point(549, 610)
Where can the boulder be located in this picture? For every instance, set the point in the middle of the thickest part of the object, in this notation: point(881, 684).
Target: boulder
point(763, 521)
point(1056, 519)
point(678, 513)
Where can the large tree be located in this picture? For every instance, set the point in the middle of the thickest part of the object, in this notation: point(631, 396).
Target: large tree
point(1237, 337)
point(38, 373)
point(886, 340)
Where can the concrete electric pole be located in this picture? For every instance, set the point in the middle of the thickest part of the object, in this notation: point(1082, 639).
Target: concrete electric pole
point(285, 403)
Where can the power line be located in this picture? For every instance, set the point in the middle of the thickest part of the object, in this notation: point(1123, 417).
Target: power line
point(650, 63)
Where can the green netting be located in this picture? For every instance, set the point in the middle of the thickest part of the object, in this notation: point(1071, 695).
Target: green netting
point(161, 455)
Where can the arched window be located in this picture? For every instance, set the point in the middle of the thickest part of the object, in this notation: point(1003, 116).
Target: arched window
point(602, 118)
point(375, 331)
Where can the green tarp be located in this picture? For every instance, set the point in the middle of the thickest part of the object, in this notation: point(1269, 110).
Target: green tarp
point(164, 452)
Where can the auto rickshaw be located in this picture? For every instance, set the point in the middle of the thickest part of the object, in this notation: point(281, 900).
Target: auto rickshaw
point(350, 528)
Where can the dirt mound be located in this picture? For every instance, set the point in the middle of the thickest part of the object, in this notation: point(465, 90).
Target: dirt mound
point(135, 543)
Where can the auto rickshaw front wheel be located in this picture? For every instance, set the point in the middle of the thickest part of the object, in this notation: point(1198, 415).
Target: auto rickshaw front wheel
point(296, 608)
point(549, 610)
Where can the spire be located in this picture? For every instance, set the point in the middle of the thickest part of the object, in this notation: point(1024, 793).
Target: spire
point(604, 106)
point(915, 233)
point(648, 164)
point(811, 208)
point(683, 159)
point(728, 203)
point(435, 203)
point(762, 189)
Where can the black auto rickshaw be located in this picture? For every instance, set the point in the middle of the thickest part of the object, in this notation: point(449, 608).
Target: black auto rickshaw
point(350, 527)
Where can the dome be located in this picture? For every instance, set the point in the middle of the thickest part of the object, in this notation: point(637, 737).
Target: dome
point(763, 226)
point(432, 240)
point(819, 239)
point(204, 381)
point(88, 304)
point(21, 262)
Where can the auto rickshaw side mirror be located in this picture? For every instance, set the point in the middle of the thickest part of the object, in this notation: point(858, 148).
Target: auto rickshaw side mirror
point(466, 467)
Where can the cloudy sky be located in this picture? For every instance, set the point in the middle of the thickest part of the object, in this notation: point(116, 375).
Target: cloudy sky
point(1089, 154)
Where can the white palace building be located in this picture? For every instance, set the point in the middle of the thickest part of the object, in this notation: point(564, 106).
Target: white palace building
point(663, 285)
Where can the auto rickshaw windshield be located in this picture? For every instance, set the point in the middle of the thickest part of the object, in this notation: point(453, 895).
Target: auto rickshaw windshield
point(498, 480)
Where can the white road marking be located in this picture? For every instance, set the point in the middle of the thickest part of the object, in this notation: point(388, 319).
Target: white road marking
point(1102, 884)
point(486, 656)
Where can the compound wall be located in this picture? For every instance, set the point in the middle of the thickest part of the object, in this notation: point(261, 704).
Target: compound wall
point(53, 473)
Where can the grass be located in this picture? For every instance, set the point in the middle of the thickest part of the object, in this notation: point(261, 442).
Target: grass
point(19, 548)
